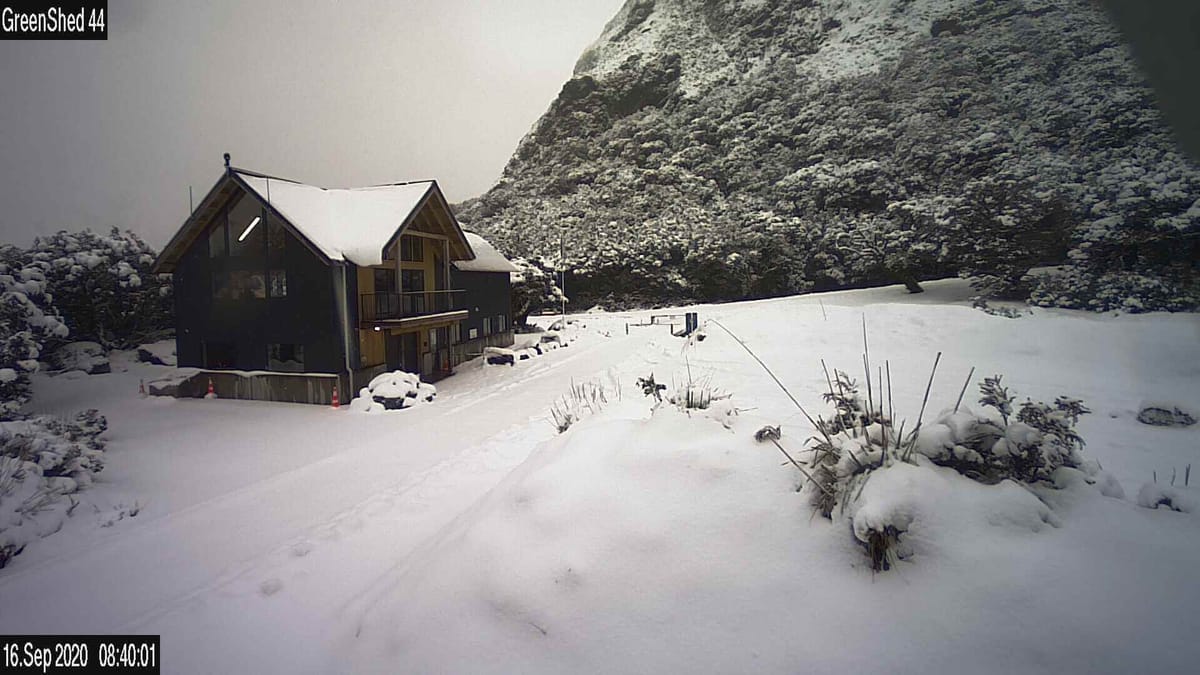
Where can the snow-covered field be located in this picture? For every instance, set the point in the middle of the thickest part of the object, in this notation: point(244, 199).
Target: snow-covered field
point(467, 535)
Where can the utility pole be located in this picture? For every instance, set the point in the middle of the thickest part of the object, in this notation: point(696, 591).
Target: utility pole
point(562, 273)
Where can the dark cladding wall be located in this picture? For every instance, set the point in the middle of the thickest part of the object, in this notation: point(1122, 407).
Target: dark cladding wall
point(488, 294)
point(305, 316)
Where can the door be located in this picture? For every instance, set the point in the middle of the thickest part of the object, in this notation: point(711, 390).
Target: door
point(410, 352)
point(393, 352)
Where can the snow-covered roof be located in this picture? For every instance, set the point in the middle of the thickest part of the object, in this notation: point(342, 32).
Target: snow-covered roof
point(487, 258)
point(346, 224)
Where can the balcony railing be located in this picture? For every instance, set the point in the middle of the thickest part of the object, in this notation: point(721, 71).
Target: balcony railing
point(384, 306)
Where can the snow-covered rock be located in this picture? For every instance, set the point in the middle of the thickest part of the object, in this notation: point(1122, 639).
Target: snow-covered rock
point(160, 353)
point(1166, 415)
point(88, 357)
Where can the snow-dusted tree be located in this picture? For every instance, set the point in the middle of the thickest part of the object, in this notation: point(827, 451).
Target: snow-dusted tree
point(534, 287)
point(27, 320)
point(103, 286)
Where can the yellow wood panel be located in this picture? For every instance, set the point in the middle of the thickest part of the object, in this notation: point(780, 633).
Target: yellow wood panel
point(371, 348)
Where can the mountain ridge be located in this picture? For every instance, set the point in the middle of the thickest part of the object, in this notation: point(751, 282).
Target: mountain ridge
point(844, 143)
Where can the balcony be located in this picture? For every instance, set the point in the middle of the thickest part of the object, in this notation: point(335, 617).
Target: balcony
point(391, 307)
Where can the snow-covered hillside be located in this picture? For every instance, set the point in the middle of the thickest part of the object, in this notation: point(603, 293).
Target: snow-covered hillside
point(732, 149)
point(467, 535)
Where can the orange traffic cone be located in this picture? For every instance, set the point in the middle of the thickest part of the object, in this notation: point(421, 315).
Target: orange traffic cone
point(336, 405)
point(212, 393)
point(142, 388)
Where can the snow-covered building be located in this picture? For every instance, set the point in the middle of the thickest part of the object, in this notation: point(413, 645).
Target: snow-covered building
point(283, 289)
point(486, 285)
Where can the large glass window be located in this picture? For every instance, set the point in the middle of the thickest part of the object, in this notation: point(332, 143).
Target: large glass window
point(501, 323)
point(412, 280)
point(247, 284)
point(412, 249)
point(216, 241)
point(487, 325)
point(247, 232)
point(285, 357)
point(276, 237)
point(385, 280)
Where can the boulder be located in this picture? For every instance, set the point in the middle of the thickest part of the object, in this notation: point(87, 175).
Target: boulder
point(1165, 415)
point(160, 353)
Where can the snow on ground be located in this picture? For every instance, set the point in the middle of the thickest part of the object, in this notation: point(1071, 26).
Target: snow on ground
point(468, 536)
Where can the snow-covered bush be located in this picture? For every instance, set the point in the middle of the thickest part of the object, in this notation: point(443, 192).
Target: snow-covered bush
point(586, 398)
point(1183, 499)
point(103, 286)
point(1028, 448)
point(1132, 292)
point(533, 288)
point(394, 390)
point(27, 320)
point(43, 460)
point(88, 357)
point(981, 303)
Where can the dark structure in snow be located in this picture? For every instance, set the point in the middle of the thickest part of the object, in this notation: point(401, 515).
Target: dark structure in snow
point(284, 289)
point(485, 281)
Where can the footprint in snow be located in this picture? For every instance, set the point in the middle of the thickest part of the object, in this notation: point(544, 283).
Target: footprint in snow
point(301, 549)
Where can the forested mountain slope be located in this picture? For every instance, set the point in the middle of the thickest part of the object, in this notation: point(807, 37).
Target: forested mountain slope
point(723, 149)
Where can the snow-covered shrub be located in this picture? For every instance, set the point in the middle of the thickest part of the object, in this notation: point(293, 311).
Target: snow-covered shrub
point(394, 390)
point(104, 287)
point(43, 460)
point(981, 303)
point(88, 357)
point(586, 398)
point(1132, 292)
point(688, 395)
point(1027, 448)
point(27, 320)
point(533, 289)
point(1183, 499)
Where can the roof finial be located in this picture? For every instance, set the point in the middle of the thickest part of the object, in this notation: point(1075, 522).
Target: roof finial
point(227, 160)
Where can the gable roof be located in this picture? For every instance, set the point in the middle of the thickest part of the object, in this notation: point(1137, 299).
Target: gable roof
point(487, 258)
point(351, 224)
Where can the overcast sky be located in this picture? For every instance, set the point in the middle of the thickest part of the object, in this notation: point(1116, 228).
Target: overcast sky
point(340, 94)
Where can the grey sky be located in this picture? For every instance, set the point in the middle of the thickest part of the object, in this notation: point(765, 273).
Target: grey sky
point(97, 134)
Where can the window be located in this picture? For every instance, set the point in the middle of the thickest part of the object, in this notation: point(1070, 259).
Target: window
point(412, 281)
point(385, 280)
point(501, 323)
point(472, 333)
point(412, 249)
point(433, 339)
point(455, 333)
point(276, 237)
point(285, 357)
point(240, 284)
point(247, 284)
point(216, 241)
point(278, 283)
point(487, 325)
point(220, 354)
point(247, 232)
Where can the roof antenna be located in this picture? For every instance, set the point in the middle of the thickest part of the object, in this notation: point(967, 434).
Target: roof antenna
point(227, 160)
